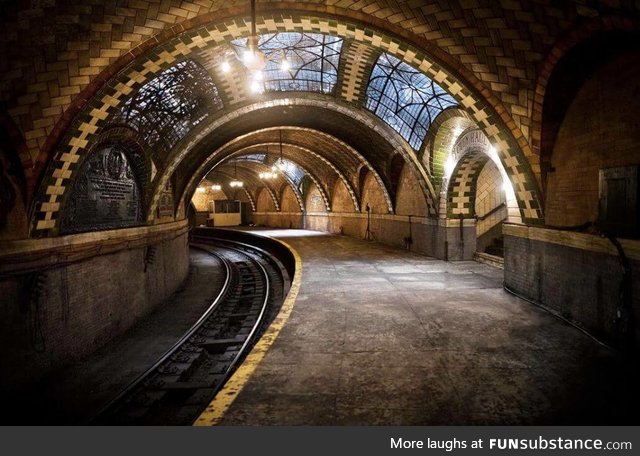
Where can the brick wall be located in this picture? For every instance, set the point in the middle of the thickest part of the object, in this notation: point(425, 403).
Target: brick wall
point(580, 281)
point(409, 199)
point(289, 201)
point(83, 305)
point(372, 194)
point(341, 200)
point(430, 236)
point(201, 199)
point(314, 201)
point(600, 129)
point(264, 203)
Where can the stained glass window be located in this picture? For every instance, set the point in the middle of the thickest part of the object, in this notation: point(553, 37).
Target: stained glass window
point(167, 107)
point(313, 60)
point(406, 99)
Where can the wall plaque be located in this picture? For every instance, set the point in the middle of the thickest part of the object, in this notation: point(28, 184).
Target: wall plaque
point(105, 194)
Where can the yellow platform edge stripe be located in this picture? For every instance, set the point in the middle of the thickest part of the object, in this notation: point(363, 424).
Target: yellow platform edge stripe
point(216, 409)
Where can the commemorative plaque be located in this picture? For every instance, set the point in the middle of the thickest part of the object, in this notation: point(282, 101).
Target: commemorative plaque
point(105, 194)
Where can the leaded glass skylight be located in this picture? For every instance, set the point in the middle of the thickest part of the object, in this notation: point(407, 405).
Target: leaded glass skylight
point(406, 99)
point(293, 171)
point(258, 158)
point(167, 107)
point(312, 58)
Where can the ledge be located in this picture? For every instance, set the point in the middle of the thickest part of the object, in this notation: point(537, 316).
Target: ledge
point(27, 255)
point(417, 219)
point(582, 241)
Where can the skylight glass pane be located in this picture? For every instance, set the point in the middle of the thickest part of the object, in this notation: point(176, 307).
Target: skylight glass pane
point(313, 58)
point(406, 99)
point(167, 107)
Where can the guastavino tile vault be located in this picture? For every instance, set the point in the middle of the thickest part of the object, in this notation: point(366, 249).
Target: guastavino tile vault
point(320, 212)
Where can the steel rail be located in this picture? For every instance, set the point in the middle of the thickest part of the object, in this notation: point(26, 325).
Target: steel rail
point(225, 294)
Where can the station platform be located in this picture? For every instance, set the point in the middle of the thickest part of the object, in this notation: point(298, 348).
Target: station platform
point(376, 336)
point(382, 336)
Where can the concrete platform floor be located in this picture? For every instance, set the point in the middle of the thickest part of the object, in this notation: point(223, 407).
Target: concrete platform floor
point(78, 392)
point(380, 336)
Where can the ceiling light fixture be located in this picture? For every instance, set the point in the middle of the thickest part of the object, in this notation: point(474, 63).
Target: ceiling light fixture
point(216, 187)
point(235, 183)
point(253, 58)
point(280, 163)
point(268, 175)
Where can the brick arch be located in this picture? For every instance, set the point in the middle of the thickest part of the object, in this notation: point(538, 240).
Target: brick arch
point(372, 194)
point(286, 189)
point(470, 154)
point(312, 175)
point(340, 197)
point(586, 30)
point(250, 197)
point(210, 162)
point(441, 137)
point(196, 16)
point(483, 106)
point(394, 169)
point(553, 95)
point(461, 192)
point(272, 194)
point(263, 198)
point(409, 199)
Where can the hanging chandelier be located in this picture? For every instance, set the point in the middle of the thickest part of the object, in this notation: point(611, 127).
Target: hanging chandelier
point(280, 164)
point(253, 59)
point(235, 183)
point(268, 175)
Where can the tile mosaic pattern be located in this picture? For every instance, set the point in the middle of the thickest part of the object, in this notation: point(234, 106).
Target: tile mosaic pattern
point(83, 134)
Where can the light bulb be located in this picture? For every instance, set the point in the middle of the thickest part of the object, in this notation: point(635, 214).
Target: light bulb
point(255, 87)
point(248, 57)
point(226, 67)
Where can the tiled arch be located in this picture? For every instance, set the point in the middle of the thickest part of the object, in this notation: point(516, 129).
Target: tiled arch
point(81, 135)
point(209, 163)
point(461, 194)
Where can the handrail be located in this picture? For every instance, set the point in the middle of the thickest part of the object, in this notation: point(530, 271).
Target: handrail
point(491, 212)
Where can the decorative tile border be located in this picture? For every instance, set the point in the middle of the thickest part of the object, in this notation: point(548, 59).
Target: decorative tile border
point(82, 136)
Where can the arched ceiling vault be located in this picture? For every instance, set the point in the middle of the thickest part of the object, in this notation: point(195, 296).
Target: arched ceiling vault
point(309, 148)
point(321, 171)
point(347, 137)
point(193, 42)
point(324, 174)
point(248, 174)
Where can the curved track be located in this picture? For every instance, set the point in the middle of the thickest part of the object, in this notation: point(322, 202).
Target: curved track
point(185, 379)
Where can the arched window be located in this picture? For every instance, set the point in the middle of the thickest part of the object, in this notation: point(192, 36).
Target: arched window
point(313, 61)
point(406, 99)
point(167, 107)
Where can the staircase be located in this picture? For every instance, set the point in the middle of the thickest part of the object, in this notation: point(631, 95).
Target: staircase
point(496, 248)
point(493, 254)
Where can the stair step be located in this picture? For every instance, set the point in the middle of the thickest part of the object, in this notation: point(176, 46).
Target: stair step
point(491, 260)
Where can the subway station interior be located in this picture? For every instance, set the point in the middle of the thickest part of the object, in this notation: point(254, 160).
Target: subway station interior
point(326, 212)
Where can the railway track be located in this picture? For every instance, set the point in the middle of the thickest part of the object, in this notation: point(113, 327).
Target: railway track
point(176, 389)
